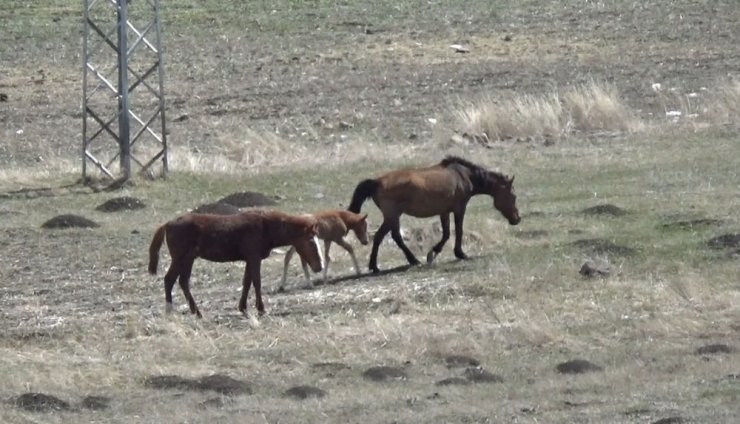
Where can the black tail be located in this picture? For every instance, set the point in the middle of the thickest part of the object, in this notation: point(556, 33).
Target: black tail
point(365, 189)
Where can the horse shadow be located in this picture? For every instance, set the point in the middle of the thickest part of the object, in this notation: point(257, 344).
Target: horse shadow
point(443, 267)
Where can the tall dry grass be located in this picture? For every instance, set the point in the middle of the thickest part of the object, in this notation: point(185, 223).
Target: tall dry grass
point(587, 108)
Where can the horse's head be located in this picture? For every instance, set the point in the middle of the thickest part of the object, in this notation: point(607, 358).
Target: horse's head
point(307, 247)
point(504, 199)
point(360, 229)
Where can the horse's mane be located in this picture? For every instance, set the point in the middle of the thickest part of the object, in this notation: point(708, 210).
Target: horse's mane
point(477, 172)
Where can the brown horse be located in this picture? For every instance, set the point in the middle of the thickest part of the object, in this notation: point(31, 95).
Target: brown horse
point(437, 190)
point(248, 236)
point(333, 226)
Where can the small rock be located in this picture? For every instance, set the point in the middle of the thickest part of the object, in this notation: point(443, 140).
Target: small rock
point(454, 361)
point(592, 269)
point(459, 48)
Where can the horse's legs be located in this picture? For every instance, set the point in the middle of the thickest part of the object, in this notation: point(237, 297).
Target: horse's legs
point(445, 219)
point(377, 238)
point(169, 283)
point(459, 216)
point(246, 282)
point(254, 271)
point(286, 262)
point(348, 248)
point(306, 275)
point(187, 268)
point(396, 234)
point(327, 245)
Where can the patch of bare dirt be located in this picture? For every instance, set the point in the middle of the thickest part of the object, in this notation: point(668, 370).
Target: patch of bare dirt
point(606, 209)
point(577, 366)
point(218, 383)
point(248, 199)
point(69, 221)
point(125, 203)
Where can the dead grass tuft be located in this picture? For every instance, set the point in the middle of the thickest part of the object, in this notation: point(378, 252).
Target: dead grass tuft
point(587, 108)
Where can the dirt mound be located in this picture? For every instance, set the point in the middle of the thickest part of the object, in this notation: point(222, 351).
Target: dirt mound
point(454, 361)
point(95, 403)
point(218, 208)
point(606, 209)
point(713, 349)
point(384, 373)
point(39, 402)
point(452, 381)
point(121, 204)
point(692, 224)
point(304, 392)
point(577, 366)
point(670, 420)
point(479, 375)
point(725, 241)
point(247, 199)
point(218, 383)
point(601, 246)
point(69, 221)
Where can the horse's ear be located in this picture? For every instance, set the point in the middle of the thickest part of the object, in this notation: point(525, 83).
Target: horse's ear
point(511, 180)
point(364, 218)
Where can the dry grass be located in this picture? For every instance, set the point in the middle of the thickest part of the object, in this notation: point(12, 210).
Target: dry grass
point(588, 108)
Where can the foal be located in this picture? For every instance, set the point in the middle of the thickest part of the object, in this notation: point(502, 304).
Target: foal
point(247, 236)
point(442, 189)
point(333, 225)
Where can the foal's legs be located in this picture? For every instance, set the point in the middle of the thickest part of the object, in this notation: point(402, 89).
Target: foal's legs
point(187, 268)
point(246, 282)
point(459, 216)
point(327, 245)
point(445, 218)
point(169, 283)
point(348, 248)
point(286, 262)
point(254, 271)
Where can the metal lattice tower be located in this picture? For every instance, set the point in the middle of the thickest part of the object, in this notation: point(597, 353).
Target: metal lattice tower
point(122, 89)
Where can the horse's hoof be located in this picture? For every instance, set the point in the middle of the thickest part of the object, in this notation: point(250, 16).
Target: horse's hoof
point(375, 270)
point(461, 255)
point(430, 257)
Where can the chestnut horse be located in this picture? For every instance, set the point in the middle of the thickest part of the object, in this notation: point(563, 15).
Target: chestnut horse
point(437, 190)
point(333, 226)
point(247, 236)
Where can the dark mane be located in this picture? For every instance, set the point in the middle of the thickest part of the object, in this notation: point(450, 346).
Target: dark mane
point(478, 174)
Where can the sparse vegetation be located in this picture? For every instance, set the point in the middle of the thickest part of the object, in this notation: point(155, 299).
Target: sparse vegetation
point(299, 102)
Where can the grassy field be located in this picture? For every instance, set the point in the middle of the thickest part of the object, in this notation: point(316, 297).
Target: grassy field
point(302, 100)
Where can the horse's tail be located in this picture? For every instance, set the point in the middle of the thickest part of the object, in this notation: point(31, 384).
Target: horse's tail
point(154, 248)
point(365, 189)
